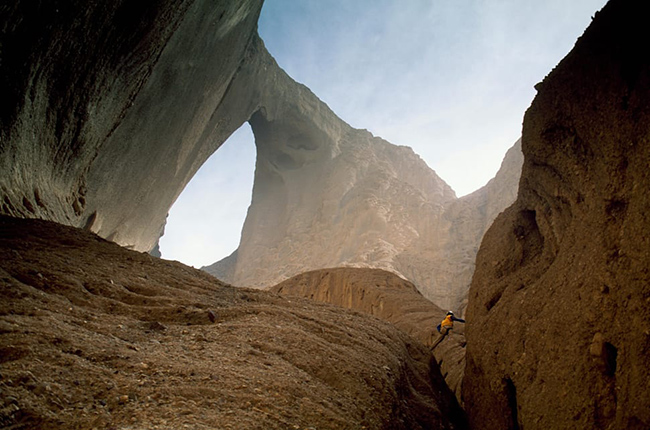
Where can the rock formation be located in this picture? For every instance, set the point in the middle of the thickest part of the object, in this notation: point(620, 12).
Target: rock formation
point(387, 297)
point(109, 110)
point(368, 204)
point(558, 318)
point(442, 263)
point(120, 339)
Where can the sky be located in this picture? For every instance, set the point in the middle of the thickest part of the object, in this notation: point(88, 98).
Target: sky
point(450, 78)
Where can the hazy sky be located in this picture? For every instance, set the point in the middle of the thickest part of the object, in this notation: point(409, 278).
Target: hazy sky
point(449, 78)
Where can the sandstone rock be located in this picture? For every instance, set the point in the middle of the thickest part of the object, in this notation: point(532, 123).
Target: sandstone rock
point(268, 362)
point(85, 146)
point(109, 110)
point(367, 204)
point(558, 304)
point(327, 195)
point(390, 298)
point(441, 261)
point(597, 347)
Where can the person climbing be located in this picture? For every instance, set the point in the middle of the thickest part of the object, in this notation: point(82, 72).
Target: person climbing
point(445, 327)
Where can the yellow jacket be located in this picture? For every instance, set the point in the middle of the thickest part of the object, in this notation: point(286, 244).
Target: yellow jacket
point(447, 322)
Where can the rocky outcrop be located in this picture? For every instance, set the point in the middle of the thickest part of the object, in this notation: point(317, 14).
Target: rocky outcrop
point(359, 205)
point(442, 262)
point(558, 318)
point(387, 297)
point(328, 195)
point(109, 110)
point(121, 340)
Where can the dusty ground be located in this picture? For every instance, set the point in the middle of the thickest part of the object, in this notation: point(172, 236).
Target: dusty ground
point(96, 336)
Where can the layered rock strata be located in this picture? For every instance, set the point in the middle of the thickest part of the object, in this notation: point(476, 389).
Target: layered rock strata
point(558, 319)
point(387, 297)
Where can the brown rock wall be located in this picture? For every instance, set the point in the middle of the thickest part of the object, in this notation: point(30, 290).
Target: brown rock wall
point(96, 336)
point(107, 109)
point(559, 327)
point(387, 297)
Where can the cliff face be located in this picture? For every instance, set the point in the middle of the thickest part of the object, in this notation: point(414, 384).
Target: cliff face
point(108, 110)
point(441, 261)
point(558, 319)
point(327, 195)
point(359, 202)
point(387, 297)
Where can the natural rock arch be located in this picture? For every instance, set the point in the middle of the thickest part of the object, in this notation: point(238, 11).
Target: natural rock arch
point(110, 144)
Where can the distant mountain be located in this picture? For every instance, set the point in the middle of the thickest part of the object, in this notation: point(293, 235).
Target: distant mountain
point(328, 195)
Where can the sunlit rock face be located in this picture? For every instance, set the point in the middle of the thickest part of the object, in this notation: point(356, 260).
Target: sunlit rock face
point(441, 261)
point(109, 109)
point(327, 195)
point(559, 308)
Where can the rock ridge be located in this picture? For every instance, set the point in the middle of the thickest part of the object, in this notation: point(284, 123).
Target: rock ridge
point(388, 297)
point(120, 339)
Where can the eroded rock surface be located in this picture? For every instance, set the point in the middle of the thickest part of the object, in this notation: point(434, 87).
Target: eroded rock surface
point(388, 297)
point(109, 110)
point(367, 203)
point(96, 336)
point(559, 318)
point(328, 195)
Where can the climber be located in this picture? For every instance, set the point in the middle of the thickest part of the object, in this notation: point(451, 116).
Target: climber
point(445, 326)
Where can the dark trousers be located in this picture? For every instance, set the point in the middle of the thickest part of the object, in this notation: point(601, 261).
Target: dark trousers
point(444, 331)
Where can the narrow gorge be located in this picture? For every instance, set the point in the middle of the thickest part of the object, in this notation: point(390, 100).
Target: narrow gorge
point(108, 110)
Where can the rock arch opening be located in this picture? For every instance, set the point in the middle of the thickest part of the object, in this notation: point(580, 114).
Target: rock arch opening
point(205, 222)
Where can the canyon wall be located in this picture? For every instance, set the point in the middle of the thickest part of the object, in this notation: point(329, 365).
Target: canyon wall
point(559, 319)
point(441, 263)
point(109, 110)
point(328, 195)
point(366, 203)
point(390, 298)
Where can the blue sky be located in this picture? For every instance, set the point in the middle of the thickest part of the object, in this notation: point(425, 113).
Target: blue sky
point(450, 78)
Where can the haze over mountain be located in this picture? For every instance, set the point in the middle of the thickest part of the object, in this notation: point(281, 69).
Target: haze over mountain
point(107, 111)
point(328, 195)
point(450, 80)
